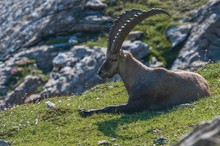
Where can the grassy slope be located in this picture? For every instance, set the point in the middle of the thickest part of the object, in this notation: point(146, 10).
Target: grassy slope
point(63, 126)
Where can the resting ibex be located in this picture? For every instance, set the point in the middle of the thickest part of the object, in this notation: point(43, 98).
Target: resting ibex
point(148, 88)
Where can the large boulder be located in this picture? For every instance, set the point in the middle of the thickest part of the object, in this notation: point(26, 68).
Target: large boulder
point(74, 71)
point(202, 45)
point(20, 93)
point(4, 143)
point(138, 48)
point(205, 134)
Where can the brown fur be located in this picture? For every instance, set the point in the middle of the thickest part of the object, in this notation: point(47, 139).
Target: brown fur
point(150, 88)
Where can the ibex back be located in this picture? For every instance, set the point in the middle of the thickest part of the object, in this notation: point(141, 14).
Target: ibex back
point(148, 88)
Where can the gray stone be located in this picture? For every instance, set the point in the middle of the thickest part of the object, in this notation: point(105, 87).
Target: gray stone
point(77, 71)
point(205, 134)
point(4, 143)
point(137, 48)
point(50, 104)
point(20, 93)
point(160, 141)
point(93, 23)
point(95, 4)
point(43, 55)
point(177, 34)
point(73, 40)
point(60, 60)
point(202, 45)
point(104, 143)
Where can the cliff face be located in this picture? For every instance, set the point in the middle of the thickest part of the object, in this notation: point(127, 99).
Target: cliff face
point(24, 23)
point(203, 43)
point(25, 50)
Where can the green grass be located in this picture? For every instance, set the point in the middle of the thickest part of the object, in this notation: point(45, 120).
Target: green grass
point(58, 40)
point(35, 124)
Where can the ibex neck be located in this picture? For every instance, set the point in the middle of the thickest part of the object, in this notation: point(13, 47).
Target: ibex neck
point(132, 71)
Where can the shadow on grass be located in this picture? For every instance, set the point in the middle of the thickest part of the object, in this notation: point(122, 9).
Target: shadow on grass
point(108, 128)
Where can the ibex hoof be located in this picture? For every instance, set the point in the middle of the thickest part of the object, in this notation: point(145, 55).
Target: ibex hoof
point(84, 113)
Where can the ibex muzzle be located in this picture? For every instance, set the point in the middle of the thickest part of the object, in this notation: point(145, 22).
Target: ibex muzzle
point(110, 66)
point(148, 88)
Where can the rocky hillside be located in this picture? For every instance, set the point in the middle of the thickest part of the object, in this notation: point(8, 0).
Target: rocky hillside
point(53, 47)
point(203, 43)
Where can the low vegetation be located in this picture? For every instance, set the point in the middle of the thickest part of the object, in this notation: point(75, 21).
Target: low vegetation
point(36, 124)
point(21, 69)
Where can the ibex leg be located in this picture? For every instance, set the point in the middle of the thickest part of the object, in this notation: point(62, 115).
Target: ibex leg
point(124, 108)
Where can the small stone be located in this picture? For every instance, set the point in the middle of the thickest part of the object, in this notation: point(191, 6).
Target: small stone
point(103, 143)
point(155, 131)
point(73, 40)
point(138, 48)
point(178, 34)
point(4, 143)
point(60, 59)
point(95, 4)
point(50, 104)
point(160, 141)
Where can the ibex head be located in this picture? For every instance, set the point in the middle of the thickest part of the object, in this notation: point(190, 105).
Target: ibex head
point(121, 28)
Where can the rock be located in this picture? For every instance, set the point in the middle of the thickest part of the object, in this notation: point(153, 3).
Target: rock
point(43, 55)
point(20, 93)
point(178, 34)
point(205, 134)
point(202, 45)
point(93, 23)
point(135, 35)
point(95, 4)
point(160, 141)
point(33, 98)
point(60, 60)
point(77, 71)
point(73, 40)
point(104, 143)
point(4, 143)
point(137, 48)
point(50, 104)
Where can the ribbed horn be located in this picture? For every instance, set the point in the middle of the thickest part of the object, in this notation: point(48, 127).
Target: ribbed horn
point(125, 23)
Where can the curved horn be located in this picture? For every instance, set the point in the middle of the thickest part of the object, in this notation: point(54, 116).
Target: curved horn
point(125, 23)
point(119, 22)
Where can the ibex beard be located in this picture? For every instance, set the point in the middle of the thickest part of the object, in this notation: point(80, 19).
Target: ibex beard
point(148, 88)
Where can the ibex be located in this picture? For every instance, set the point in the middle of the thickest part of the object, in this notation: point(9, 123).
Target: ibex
point(148, 88)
